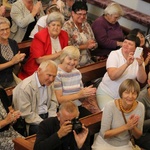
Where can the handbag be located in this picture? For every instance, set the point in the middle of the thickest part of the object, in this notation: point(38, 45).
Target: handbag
point(134, 146)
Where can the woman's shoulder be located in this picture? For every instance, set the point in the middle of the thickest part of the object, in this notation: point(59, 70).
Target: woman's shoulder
point(42, 35)
point(140, 105)
point(18, 3)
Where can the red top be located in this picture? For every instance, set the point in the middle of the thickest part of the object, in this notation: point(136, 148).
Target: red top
point(41, 46)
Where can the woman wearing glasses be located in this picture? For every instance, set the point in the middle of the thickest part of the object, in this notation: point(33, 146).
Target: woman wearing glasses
point(9, 55)
point(80, 32)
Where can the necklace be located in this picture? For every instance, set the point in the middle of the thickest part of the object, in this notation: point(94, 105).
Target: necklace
point(128, 110)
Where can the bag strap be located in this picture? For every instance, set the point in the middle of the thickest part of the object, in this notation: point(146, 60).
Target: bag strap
point(131, 137)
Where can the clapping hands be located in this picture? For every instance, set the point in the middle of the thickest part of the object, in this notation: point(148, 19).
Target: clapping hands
point(132, 121)
point(12, 116)
point(18, 58)
point(87, 91)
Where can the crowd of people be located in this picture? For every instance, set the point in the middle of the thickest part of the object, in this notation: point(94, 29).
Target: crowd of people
point(48, 89)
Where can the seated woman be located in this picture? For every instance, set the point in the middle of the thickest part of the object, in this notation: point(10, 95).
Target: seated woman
point(9, 55)
point(107, 30)
point(80, 32)
point(146, 50)
point(24, 15)
point(41, 23)
point(47, 44)
point(114, 133)
point(7, 118)
point(68, 82)
point(120, 65)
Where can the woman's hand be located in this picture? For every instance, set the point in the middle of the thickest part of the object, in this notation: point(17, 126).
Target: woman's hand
point(132, 121)
point(87, 91)
point(140, 60)
point(130, 58)
point(18, 58)
point(12, 117)
point(91, 44)
point(36, 8)
point(2, 10)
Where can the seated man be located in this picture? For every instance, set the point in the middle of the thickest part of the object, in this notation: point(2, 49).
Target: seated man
point(33, 96)
point(58, 133)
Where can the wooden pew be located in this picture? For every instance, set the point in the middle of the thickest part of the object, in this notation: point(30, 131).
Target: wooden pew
point(89, 72)
point(92, 122)
point(24, 47)
point(93, 71)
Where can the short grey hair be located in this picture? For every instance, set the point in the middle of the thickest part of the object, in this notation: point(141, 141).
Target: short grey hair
point(44, 64)
point(68, 106)
point(4, 20)
point(70, 51)
point(112, 9)
point(55, 16)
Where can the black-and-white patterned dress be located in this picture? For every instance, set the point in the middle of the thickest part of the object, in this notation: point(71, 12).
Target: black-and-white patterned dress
point(6, 136)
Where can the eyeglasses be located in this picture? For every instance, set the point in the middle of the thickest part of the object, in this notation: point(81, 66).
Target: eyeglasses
point(6, 29)
point(80, 14)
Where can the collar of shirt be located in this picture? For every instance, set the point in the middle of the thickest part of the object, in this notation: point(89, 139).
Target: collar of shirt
point(38, 82)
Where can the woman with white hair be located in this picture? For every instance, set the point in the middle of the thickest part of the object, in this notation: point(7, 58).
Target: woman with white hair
point(10, 57)
point(107, 30)
point(46, 45)
point(68, 82)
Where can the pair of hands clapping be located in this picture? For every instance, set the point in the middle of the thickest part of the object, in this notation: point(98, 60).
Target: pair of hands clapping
point(87, 91)
point(132, 122)
point(36, 8)
point(12, 116)
point(91, 44)
point(18, 58)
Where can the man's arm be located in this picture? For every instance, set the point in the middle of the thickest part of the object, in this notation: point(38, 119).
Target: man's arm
point(47, 137)
point(24, 100)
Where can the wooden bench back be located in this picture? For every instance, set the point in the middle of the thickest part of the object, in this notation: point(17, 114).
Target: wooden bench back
point(24, 47)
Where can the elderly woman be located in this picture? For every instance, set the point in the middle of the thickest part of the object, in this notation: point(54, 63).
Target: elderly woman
point(47, 44)
point(107, 30)
point(41, 23)
point(9, 55)
point(80, 32)
point(121, 65)
point(114, 133)
point(68, 82)
point(24, 15)
point(7, 118)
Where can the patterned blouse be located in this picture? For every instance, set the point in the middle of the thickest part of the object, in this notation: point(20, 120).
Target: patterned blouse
point(76, 37)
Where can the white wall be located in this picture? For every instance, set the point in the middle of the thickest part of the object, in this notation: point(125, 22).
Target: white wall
point(134, 4)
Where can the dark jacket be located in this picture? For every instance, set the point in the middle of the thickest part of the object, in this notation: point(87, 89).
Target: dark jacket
point(47, 137)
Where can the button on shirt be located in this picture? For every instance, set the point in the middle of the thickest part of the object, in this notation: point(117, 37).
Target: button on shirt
point(42, 102)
